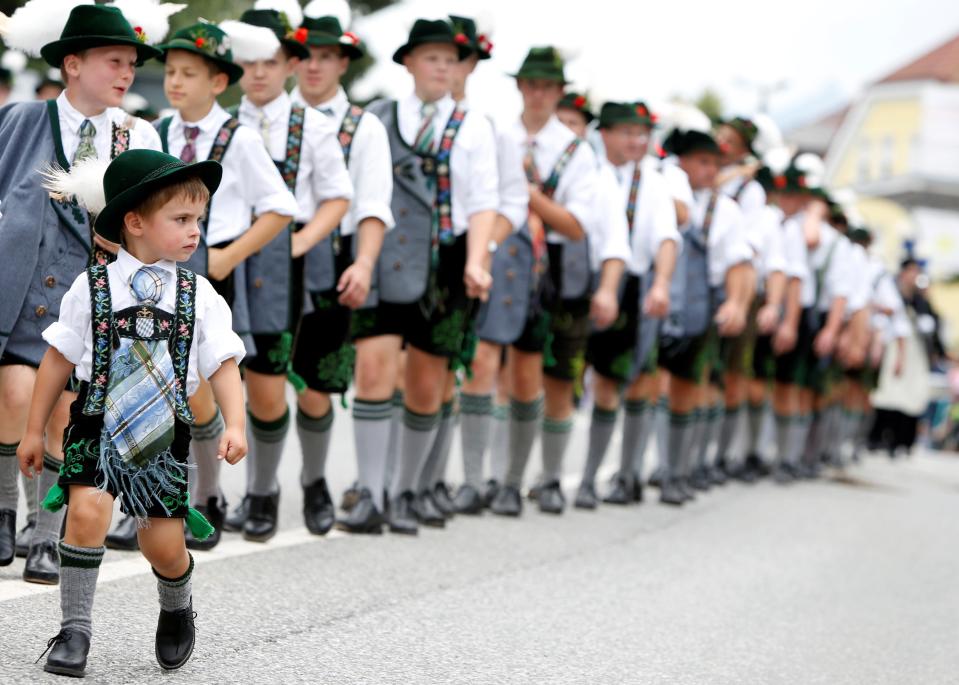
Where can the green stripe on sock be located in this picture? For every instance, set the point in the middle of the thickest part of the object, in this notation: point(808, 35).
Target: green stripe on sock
point(476, 404)
point(635, 406)
point(80, 557)
point(526, 411)
point(51, 463)
point(372, 411)
point(9, 450)
point(681, 419)
point(501, 411)
point(420, 422)
point(177, 582)
point(314, 424)
point(397, 398)
point(557, 425)
point(208, 431)
point(270, 431)
point(604, 415)
point(446, 410)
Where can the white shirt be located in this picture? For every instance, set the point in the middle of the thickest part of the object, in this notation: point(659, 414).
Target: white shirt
point(860, 293)
point(654, 221)
point(251, 185)
point(752, 197)
point(142, 135)
point(885, 295)
point(322, 174)
point(794, 246)
point(370, 165)
point(836, 277)
point(577, 184)
point(727, 240)
point(766, 237)
point(677, 181)
point(609, 231)
point(213, 338)
point(474, 174)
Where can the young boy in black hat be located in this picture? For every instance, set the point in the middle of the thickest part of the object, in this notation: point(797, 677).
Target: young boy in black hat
point(139, 333)
point(47, 242)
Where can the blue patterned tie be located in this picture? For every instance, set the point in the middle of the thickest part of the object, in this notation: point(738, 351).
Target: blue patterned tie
point(147, 284)
point(86, 149)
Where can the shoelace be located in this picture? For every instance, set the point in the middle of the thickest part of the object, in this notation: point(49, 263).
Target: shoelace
point(62, 636)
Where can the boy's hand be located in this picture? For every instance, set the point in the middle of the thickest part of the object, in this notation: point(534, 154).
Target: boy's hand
point(300, 244)
point(354, 285)
point(232, 445)
point(656, 305)
point(767, 318)
point(603, 308)
point(218, 265)
point(478, 281)
point(731, 319)
point(30, 454)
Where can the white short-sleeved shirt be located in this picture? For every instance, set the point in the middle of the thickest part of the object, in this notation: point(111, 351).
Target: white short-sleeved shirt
point(676, 180)
point(142, 135)
point(654, 221)
point(860, 292)
point(794, 247)
point(213, 338)
point(609, 231)
point(251, 185)
point(577, 184)
point(474, 174)
point(322, 174)
point(370, 165)
point(767, 239)
point(748, 193)
point(829, 257)
point(727, 239)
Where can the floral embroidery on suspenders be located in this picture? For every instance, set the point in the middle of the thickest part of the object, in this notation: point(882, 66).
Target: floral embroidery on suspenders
point(294, 143)
point(345, 137)
point(633, 194)
point(549, 186)
point(442, 207)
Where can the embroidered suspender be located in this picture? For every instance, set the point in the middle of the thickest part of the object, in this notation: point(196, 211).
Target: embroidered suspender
point(633, 194)
point(439, 167)
point(740, 189)
point(294, 143)
point(348, 130)
point(708, 216)
point(549, 186)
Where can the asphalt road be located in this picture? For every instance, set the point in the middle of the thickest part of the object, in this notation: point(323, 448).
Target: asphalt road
point(850, 579)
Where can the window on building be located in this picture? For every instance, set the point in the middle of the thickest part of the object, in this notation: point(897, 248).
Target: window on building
point(887, 157)
point(863, 171)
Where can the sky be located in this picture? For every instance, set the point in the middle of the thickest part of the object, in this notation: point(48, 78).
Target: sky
point(821, 52)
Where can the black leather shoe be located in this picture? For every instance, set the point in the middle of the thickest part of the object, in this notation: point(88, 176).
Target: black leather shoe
point(124, 536)
point(176, 634)
point(782, 475)
point(363, 517)
point(260, 525)
point(685, 489)
point(716, 474)
point(586, 497)
point(68, 651)
point(551, 498)
point(637, 488)
point(620, 490)
point(43, 564)
point(350, 497)
point(215, 512)
point(699, 479)
point(402, 515)
point(318, 511)
point(233, 523)
point(669, 493)
point(426, 511)
point(25, 536)
point(468, 501)
point(489, 492)
point(748, 472)
point(508, 502)
point(656, 478)
point(8, 536)
point(443, 500)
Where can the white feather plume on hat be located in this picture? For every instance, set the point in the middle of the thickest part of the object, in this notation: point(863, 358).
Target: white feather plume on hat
point(812, 168)
point(250, 43)
point(768, 134)
point(679, 116)
point(37, 23)
point(134, 102)
point(330, 8)
point(83, 183)
point(14, 60)
point(291, 8)
point(150, 15)
point(778, 159)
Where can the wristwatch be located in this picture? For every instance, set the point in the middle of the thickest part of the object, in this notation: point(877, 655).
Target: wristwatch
point(492, 247)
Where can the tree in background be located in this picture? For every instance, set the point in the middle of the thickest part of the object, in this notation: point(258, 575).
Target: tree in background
point(710, 104)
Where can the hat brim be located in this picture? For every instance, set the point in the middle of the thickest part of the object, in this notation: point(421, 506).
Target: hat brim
point(533, 74)
point(109, 223)
point(55, 52)
point(642, 121)
point(590, 117)
point(295, 48)
point(315, 39)
point(233, 71)
point(463, 51)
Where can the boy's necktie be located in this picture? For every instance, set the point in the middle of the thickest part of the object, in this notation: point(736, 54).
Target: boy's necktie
point(188, 153)
point(86, 149)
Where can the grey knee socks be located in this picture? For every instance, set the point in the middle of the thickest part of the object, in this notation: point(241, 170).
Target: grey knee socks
point(266, 444)
point(371, 435)
point(476, 416)
point(79, 568)
point(314, 433)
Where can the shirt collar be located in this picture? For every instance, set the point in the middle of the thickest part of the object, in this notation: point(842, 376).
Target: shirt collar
point(212, 120)
point(74, 117)
point(276, 109)
point(339, 103)
point(413, 103)
point(127, 265)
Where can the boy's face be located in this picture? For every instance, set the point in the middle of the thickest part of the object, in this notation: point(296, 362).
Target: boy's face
point(461, 72)
point(701, 167)
point(103, 74)
point(265, 80)
point(189, 82)
point(322, 72)
point(790, 203)
point(573, 120)
point(431, 66)
point(540, 96)
point(172, 232)
point(731, 143)
point(626, 142)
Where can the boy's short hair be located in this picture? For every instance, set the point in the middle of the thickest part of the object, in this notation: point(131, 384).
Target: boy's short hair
point(192, 189)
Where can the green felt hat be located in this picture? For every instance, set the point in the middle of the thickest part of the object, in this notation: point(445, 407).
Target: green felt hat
point(542, 63)
point(137, 174)
point(322, 31)
point(746, 129)
point(614, 113)
point(578, 102)
point(96, 26)
point(682, 143)
point(480, 45)
point(860, 235)
point(292, 39)
point(425, 31)
point(210, 42)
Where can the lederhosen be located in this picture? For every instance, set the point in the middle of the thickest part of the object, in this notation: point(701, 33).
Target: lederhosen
point(324, 355)
point(612, 351)
point(819, 372)
point(422, 297)
point(738, 354)
point(689, 336)
point(159, 488)
point(558, 322)
point(64, 246)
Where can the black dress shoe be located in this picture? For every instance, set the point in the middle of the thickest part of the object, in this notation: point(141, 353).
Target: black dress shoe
point(215, 512)
point(716, 474)
point(551, 498)
point(319, 513)
point(669, 493)
point(350, 497)
point(363, 517)
point(508, 502)
point(43, 563)
point(656, 478)
point(782, 475)
point(620, 491)
point(124, 536)
point(443, 500)
point(586, 497)
point(260, 525)
point(8, 536)
point(748, 472)
point(685, 489)
point(699, 479)
point(176, 634)
point(402, 515)
point(426, 511)
point(68, 651)
point(468, 500)
point(233, 523)
point(637, 488)
point(25, 537)
point(489, 492)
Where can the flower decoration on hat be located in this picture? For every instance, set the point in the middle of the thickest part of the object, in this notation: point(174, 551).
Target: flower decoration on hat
point(484, 43)
point(300, 35)
point(461, 38)
point(579, 101)
point(140, 33)
point(349, 38)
